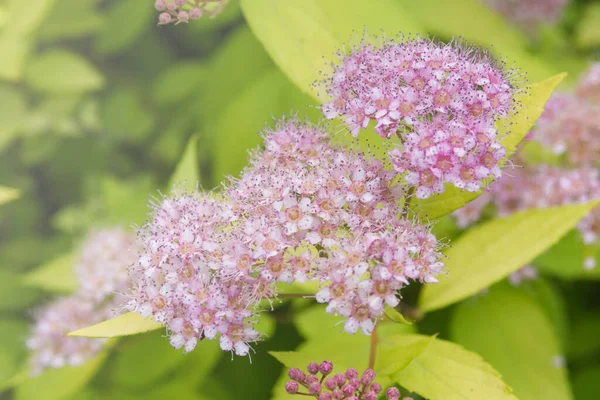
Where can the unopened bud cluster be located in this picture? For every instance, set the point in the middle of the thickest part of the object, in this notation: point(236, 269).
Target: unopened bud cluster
point(178, 11)
point(320, 382)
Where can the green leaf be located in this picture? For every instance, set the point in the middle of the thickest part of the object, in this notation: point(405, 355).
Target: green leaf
point(15, 50)
point(550, 299)
point(61, 71)
point(8, 194)
point(13, 294)
point(144, 360)
point(12, 113)
point(127, 324)
point(302, 35)
point(236, 130)
point(126, 201)
point(16, 38)
point(227, 79)
point(512, 332)
point(587, 32)
point(477, 23)
point(586, 383)
point(186, 172)
point(197, 365)
point(126, 21)
point(54, 276)
point(12, 351)
point(446, 371)
point(532, 100)
point(179, 82)
point(394, 353)
point(26, 17)
point(125, 116)
point(58, 384)
point(585, 331)
point(489, 252)
point(565, 259)
point(396, 316)
point(71, 19)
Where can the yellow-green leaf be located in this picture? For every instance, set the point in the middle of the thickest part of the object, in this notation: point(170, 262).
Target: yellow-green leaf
point(58, 384)
point(588, 30)
point(396, 316)
point(8, 194)
point(446, 371)
point(55, 276)
point(511, 332)
point(491, 251)
point(124, 325)
point(394, 354)
point(61, 71)
point(303, 35)
point(186, 173)
point(532, 100)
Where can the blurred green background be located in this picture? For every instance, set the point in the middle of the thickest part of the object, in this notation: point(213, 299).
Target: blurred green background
point(98, 105)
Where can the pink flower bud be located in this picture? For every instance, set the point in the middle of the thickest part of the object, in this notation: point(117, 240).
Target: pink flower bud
point(326, 367)
point(160, 5)
point(376, 387)
point(183, 16)
point(367, 377)
point(330, 383)
point(296, 374)
point(195, 13)
point(348, 390)
point(340, 379)
point(313, 368)
point(351, 373)
point(370, 395)
point(291, 387)
point(392, 393)
point(314, 387)
point(164, 18)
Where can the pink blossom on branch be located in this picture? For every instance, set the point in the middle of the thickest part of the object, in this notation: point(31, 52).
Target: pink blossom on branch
point(101, 270)
point(441, 100)
point(303, 210)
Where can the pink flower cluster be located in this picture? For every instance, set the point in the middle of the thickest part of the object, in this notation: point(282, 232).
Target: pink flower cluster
point(302, 210)
point(571, 129)
point(179, 11)
point(179, 278)
point(102, 273)
point(589, 84)
point(526, 273)
point(528, 13)
point(539, 186)
point(320, 382)
point(441, 100)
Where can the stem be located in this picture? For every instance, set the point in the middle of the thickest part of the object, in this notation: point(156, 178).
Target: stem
point(294, 295)
point(373, 348)
point(408, 199)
